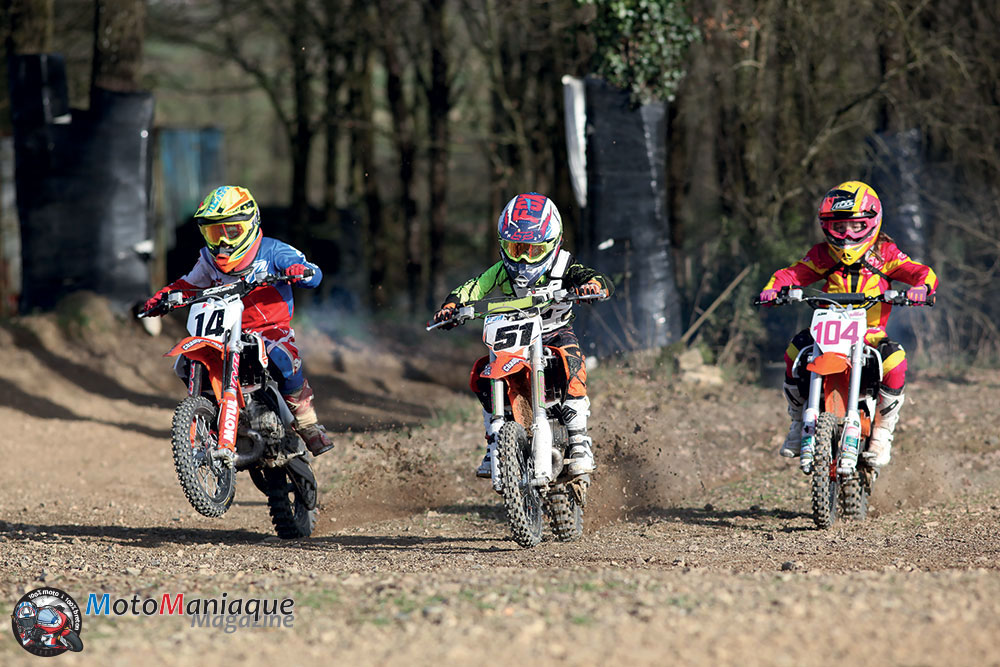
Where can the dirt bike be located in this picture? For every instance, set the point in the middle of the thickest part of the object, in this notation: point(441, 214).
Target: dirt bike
point(528, 390)
point(234, 418)
point(844, 377)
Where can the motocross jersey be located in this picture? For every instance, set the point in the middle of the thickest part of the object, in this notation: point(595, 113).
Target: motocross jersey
point(564, 274)
point(266, 306)
point(872, 276)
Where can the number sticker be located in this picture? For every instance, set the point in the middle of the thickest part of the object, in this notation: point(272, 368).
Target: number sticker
point(506, 337)
point(503, 335)
point(836, 331)
point(209, 320)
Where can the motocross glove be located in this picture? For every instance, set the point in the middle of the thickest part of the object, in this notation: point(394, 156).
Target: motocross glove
point(768, 295)
point(296, 271)
point(589, 288)
point(446, 313)
point(154, 301)
point(918, 294)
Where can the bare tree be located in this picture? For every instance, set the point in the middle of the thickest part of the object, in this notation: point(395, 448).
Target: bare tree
point(119, 31)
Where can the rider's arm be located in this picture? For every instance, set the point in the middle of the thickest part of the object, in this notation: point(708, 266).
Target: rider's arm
point(806, 271)
point(285, 256)
point(899, 266)
point(476, 288)
point(577, 274)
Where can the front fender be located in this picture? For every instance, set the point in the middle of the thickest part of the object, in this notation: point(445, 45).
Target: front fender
point(211, 354)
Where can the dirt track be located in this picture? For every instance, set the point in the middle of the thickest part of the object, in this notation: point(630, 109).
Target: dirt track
point(699, 547)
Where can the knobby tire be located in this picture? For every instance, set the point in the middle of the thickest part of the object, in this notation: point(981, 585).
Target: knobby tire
point(566, 515)
point(522, 501)
point(209, 485)
point(825, 489)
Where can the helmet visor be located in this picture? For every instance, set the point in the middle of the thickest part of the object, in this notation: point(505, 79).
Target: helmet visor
point(519, 251)
point(233, 232)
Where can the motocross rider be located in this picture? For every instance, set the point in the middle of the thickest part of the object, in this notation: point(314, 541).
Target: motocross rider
point(229, 220)
point(531, 255)
point(856, 257)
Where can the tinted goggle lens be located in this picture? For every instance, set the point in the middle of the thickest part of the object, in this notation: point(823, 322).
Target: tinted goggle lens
point(520, 251)
point(230, 232)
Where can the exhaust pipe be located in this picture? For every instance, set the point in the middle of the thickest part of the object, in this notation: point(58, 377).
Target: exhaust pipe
point(244, 460)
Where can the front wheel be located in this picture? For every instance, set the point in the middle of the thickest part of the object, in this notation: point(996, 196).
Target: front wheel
point(522, 501)
point(825, 486)
point(208, 483)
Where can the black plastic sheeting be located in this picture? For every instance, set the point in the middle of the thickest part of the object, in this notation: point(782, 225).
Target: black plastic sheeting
point(625, 232)
point(82, 188)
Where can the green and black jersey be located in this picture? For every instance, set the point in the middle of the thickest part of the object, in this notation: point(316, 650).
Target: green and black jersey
point(573, 274)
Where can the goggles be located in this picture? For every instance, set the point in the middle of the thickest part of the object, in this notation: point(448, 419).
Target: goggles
point(519, 251)
point(233, 232)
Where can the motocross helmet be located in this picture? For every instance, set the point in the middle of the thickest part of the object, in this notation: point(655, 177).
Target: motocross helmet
point(530, 230)
point(851, 217)
point(26, 614)
point(229, 220)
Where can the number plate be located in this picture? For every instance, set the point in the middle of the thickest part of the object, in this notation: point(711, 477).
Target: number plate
point(211, 319)
point(837, 330)
point(503, 334)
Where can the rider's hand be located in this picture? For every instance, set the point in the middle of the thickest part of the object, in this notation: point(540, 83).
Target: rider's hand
point(589, 288)
point(155, 300)
point(917, 294)
point(446, 313)
point(296, 271)
point(768, 295)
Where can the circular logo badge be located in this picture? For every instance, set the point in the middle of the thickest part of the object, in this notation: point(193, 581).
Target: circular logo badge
point(47, 622)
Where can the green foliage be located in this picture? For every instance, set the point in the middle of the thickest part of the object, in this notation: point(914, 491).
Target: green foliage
point(642, 45)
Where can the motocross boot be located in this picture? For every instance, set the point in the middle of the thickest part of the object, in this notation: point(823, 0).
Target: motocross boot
point(580, 454)
point(886, 418)
point(793, 441)
point(300, 402)
point(492, 427)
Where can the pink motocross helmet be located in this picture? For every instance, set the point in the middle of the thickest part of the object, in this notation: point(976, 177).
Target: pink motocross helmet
point(851, 217)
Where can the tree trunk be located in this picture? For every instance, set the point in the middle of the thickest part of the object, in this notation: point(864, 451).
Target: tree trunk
point(119, 30)
point(367, 176)
point(405, 140)
point(302, 133)
point(438, 107)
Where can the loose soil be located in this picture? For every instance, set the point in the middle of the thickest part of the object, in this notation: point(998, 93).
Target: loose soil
point(699, 547)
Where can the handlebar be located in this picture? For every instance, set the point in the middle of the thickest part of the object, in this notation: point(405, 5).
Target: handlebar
point(517, 308)
point(819, 299)
point(175, 299)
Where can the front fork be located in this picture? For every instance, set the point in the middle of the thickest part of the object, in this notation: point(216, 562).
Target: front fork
point(229, 409)
point(851, 437)
point(541, 430)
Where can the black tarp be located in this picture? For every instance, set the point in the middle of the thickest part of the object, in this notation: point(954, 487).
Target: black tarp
point(626, 226)
point(82, 188)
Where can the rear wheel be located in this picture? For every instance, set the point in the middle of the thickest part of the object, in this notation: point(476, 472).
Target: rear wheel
point(566, 515)
point(855, 491)
point(208, 483)
point(290, 513)
point(522, 501)
point(825, 487)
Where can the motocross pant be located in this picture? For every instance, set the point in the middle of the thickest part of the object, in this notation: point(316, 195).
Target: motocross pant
point(892, 353)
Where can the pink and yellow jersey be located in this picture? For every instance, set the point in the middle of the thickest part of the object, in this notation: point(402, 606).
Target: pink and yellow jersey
point(871, 275)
